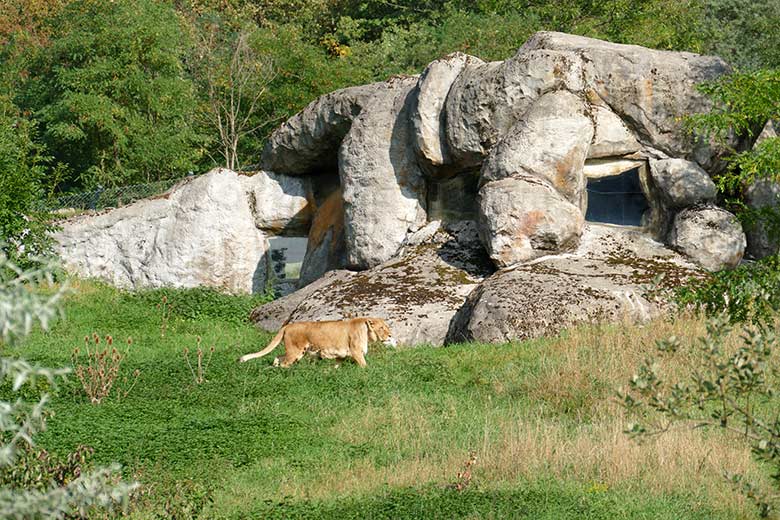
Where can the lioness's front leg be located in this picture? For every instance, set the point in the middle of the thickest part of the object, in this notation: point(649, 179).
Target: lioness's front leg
point(358, 345)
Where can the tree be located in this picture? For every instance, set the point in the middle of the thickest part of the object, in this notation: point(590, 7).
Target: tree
point(744, 33)
point(23, 228)
point(111, 94)
point(235, 77)
point(21, 304)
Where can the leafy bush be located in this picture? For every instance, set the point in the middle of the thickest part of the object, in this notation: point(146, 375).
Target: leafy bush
point(202, 302)
point(22, 227)
point(730, 390)
point(751, 292)
point(743, 33)
point(25, 493)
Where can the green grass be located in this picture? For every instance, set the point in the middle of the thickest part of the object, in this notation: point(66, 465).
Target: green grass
point(319, 441)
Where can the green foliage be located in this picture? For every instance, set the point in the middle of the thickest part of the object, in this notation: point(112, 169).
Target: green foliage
point(201, 303)
point(743, 33)
point(751, 292)
point(34, 485)
point(538, 502)
point(37, 469)
point(22, 305)
point(730, 390)
point(303, 71)
point(22, 228)
point(233, 76)
point(742, 103)
point(110, 93)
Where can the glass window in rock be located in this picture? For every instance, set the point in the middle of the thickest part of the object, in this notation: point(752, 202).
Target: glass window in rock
point(453, 199)
point(285, 257)
point(616, 198)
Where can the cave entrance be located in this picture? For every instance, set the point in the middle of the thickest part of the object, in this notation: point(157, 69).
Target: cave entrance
point(285, 257)
point(618, 193)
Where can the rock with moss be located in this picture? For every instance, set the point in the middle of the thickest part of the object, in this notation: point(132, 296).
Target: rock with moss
point(417, 292)
point(609, 277)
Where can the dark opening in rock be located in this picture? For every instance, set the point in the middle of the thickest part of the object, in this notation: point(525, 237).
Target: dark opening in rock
point(453, 199)
point(285, 256)
point(617, 199)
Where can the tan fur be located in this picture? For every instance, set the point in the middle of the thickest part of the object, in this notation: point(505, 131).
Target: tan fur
point(326, 339)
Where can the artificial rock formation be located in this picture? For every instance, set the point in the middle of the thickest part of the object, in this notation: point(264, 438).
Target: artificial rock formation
point(710, 236)
point(505, 153)
point(609, 277)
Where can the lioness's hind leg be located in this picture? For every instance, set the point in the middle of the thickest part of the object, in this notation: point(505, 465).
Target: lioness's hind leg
point(292, 353)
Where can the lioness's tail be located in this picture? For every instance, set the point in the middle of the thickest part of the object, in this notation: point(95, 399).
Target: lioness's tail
point(274, 342)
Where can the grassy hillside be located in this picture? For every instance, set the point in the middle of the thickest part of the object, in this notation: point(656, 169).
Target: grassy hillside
point(388, 441)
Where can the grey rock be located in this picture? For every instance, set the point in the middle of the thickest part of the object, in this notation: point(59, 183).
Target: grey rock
point(682, 183)
point(418, 292)
point(612, 137)
point(383, 185)
point(523, 217)
point(648, 89)
point(550, 143)
point(606, 279)
point(763, 194)
point(282, 205)
point(487, 99)
point(428, 116)
point(769, 131)
point(710, 236)
point(201, 233)
point(308, 142)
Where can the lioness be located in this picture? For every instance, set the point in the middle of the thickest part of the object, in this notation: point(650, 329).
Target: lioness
point(327, 339)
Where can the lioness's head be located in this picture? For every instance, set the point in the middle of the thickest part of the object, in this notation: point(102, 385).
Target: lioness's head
point(379, 330)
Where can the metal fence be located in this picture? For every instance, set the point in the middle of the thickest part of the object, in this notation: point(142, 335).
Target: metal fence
point(101, 198)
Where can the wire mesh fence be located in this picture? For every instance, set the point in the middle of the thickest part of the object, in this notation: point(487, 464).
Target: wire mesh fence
point(101, 198)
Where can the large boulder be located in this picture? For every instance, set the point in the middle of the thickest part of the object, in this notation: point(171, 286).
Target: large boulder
point(428, 115)
point(523, 217)
point(487, 99)
point(608, 278)
point(711, 236)
point(682, 183)
point(762, 195)
point(308, 142)
point(612, 138)
point(550, 143)
point(201, 233)
point(648, 89)
point(382, 184)
point(417, 292)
